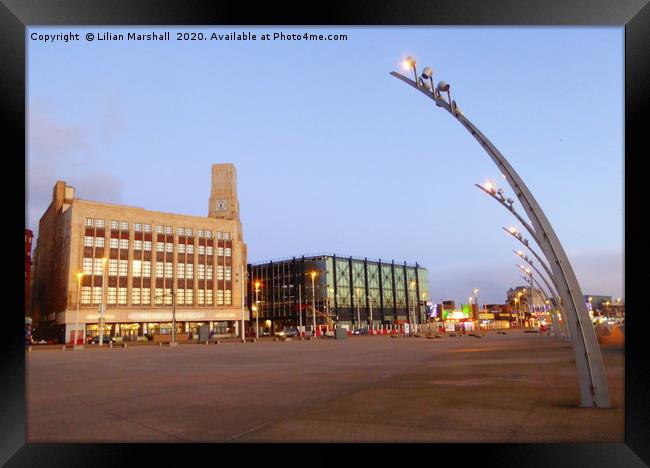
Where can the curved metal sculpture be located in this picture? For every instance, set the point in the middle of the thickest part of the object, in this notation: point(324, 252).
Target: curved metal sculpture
point(592, 379)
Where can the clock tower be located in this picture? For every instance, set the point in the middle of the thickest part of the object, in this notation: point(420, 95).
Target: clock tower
point(223, 196)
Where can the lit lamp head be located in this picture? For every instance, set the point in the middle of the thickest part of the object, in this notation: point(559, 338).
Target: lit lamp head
point(313, 274)
point(513, 230)
point(408, 63)
point(257, 286)
point(490, 187)
point(79, 276)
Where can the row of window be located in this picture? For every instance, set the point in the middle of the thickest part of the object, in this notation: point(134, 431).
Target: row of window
point(140, 227)
point(142, 296)
point(93, 266)
point(90, 241)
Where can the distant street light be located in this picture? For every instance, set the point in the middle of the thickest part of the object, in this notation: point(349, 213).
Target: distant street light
point(80, 275)
point(313, 300)
point(257, 310)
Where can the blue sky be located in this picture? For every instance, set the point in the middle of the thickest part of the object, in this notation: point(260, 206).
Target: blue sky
point(335, 155)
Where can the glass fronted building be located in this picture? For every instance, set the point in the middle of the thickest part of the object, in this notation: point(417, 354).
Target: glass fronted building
point(346, 291)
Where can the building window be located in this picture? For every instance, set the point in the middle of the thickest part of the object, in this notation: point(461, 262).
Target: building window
point(124, 226)
point(228, 252)
point(200, 271)
point(208, 250)
point(227, 297)
point(208, 272)
point(189, 270)
point(159, 270)
point(97, 294)
point(114, 243)
point(169, 247)
point(112, 295)
point(181, 231)
point(115, 225)
point(220, 251)
point(168, 297)
point(228, 273)
point(98, 267)
point(112, 267)
point(124, 268)
point(189, 296)
point(147, 227)
point(146, 296)
point(180, 270)
point(220, 297)
point(190, 248)
point(160, 230)
point(189, 231)
point(90, 222)
point(219, 272)
point(208, 296)
point(201, 250)
point(160, 246)
point(219, 235)
point(159, 296)
point(169, 230)
point(181, 248)
point(137, 227)
point(121, 296)
point(88, 241)
point(99, 223)
point(226, 236)
point(146, 268)
point(85, 294)
point(137, 245)
point(136, 295)
point(180, 296)
point(201, 233)
point(200, 296)
point(124, 243)
point(169, 271)
point(99, 242)
point(147, 245)
point(88, 267)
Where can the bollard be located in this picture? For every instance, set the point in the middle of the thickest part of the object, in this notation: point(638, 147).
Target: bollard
point(160, 344)
point(110, 345)
point(217, 342)
point(63, 348)
point(123, 345)
point(29, 349)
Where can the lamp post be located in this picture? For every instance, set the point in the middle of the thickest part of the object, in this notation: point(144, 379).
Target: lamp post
point(372, 325)
point(300, 309)
point(592, 379)
point(356, 296)
point(102, 306)
point(313, 301)
point(257, 310)
point(242, 277)
point(412, 306)
point(478, 308)
point(80, 275)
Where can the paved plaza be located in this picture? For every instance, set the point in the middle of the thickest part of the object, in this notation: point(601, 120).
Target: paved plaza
point(518, 387)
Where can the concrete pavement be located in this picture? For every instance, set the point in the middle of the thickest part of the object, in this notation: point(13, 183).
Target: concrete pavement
point(500, 388)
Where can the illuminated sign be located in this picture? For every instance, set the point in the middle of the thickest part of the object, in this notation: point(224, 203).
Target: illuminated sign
point(455, 314)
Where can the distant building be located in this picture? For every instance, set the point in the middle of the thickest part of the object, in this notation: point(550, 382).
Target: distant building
point(138, 263)
point(28, 271)
point(596, 304)
point(347, 291)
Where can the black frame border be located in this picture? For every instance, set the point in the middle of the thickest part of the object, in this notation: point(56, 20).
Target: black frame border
point(633, 15)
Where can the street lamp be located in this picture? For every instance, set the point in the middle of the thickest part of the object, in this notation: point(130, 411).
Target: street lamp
point(102, 305)
point(356, 296)
point(80, 275)
point(478, 311)
point(257, 310)
point(592, 379)
point(412, 325)
point(313, 300)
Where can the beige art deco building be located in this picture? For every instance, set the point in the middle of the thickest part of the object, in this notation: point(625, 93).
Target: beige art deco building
point(134, 260)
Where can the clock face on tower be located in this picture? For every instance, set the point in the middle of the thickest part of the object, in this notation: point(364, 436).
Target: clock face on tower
point(221, 205)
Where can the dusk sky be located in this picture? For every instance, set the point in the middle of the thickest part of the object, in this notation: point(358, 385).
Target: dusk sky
point(335, 155)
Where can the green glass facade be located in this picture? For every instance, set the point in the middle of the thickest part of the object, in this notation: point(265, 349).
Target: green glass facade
point(348, 291)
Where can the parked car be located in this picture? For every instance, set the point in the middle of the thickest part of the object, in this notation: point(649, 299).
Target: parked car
point(360, 331)
point(289, 333)
point(265, 333)
point(106, 339)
